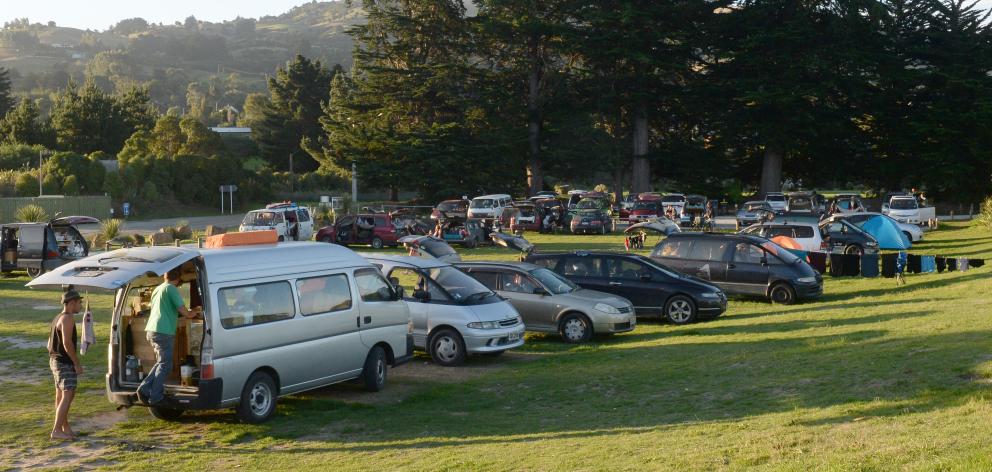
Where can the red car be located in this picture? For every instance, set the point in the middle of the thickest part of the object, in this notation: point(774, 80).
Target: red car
point(451, 209)
point(374, 229)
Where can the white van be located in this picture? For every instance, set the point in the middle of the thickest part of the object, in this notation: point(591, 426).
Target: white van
point(488, 206)
point(278, 319)
point(290, 221)
point(453, 314)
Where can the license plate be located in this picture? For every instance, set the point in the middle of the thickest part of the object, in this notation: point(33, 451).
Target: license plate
point(513, 337)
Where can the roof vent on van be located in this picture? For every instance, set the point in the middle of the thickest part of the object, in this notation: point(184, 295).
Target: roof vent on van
point(242, 239)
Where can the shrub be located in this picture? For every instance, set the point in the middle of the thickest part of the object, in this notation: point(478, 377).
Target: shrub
point(52, 184)
point(109, 229)
point(601, 188)
point(8, 183)
point(32, 214)
point(70, 186)
point(985, 213)
point(26, 185)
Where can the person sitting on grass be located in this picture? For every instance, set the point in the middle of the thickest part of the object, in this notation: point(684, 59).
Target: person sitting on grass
point(62, 358)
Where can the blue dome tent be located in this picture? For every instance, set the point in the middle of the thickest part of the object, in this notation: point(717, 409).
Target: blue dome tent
point(887, 233)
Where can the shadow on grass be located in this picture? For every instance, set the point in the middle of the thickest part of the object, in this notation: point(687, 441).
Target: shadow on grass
point(650, 388)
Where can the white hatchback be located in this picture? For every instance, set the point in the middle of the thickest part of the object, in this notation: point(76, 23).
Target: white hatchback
point(806, 234)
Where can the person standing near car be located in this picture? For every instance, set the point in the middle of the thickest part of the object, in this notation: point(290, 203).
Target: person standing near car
point(62, 358)
point(166, 307)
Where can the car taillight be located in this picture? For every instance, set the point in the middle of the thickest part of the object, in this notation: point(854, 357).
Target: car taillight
point(53, 254)
point(824, 245)
point(206, 364)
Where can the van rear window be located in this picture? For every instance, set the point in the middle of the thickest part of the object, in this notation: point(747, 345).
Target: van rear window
point(255, 304)
point(324, 294)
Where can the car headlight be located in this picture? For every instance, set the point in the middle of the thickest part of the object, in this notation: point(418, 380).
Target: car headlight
point(806, 280)
point(484, 325)
point(871, 244)
point(607, 308)
point(712, 295)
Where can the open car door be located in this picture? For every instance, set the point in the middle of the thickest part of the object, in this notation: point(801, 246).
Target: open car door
point(662, 226)
point(115, 269)
point(510, 241)
point(431, 247)
point(74, 220)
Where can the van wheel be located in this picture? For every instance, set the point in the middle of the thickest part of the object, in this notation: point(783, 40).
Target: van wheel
point(166, 414)
point(34, 272)
point(783, 294)
point(258, 399)
point(680, 310)
point(376, 243)
point(575, 328)
point(282, 238)
point(854, 249)
point(374, 373)
point(447, 348)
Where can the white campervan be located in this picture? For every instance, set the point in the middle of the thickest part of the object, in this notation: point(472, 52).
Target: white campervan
point(290, 221)
point(278, 319)
point(488, 206)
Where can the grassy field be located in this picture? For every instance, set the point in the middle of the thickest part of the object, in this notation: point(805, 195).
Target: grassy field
point(871, 377)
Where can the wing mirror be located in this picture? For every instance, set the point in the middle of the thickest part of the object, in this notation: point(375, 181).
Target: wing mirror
point(764, 260)
point(646, 277)
point(399, 292)
point(540, 291)
point(422, 295)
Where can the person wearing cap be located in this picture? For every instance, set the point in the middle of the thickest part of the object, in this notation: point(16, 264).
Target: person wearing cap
point(62, 341)
point(160, 330)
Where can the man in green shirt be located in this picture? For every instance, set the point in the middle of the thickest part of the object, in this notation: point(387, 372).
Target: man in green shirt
point(166, 307)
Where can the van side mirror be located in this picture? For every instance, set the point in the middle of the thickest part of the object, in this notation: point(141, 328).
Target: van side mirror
point(399, 292)
point(422, 295)
point(764, 260)
point(646, 277)
point(540, 291)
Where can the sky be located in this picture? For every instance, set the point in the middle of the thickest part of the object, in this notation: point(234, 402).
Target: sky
point(101, 14)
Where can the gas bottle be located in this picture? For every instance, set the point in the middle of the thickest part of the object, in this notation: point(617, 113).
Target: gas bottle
point(131, 369)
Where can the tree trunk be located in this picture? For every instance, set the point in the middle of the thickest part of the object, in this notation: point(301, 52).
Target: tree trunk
point(771, 170)
point(640, 167)
point(394, 194)
point(618, 185)
point(535, 178)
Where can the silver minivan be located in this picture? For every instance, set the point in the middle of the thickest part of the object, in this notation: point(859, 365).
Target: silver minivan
point(453, 314)
point(278, 319)
point(550, 303)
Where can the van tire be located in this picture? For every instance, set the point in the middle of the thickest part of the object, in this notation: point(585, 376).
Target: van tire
point(446, 347)
point(376, 243)
point(165, 414)
point(258, 399)
point(34, 272)
point(374, 372)
point(282, 238)
point(680, 310)
point(782, 293)
point(854, 249)
point(575, 328)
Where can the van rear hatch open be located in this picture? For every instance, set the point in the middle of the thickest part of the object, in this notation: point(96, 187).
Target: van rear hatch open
point(115, 269)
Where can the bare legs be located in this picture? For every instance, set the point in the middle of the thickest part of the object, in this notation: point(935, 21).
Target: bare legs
point(61, 429)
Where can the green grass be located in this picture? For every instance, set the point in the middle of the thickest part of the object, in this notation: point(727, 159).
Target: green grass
point(873, 376)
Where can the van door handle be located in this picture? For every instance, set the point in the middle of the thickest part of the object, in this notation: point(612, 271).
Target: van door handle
point(368, 319)
point(358, 321)
point(615, 284)
point(731, 266)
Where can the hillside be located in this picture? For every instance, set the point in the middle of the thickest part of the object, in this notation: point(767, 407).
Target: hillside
point(225, 60)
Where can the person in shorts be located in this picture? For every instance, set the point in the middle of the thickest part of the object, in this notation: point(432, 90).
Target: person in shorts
point(62, 358)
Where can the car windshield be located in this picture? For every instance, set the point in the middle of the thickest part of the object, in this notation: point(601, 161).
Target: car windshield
point(459, 285)
point(698, 201)
point(673, 199)
point(642, 205)
point(261, 218)
point(800, 202)
point(527, 212)
point(452, 206)
point(903, 204)
point(775, 198)
point(556, 283)
point(754, 206)
point(482, 203)
point(588, 204)
point(779, 251)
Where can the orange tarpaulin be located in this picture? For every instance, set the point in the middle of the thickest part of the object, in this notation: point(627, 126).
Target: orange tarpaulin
point(787, 242)
point(242, 239)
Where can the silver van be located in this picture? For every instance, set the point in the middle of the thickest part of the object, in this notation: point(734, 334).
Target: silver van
point(278, 319)
point(453, 314)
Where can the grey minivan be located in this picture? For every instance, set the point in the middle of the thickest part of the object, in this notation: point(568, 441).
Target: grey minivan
point(550, 303)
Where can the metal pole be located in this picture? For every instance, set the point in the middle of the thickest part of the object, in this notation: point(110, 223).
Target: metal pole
point(222, 200)
point(354, 186)
point(292, 178)
point(41, 191)
point(231, 206)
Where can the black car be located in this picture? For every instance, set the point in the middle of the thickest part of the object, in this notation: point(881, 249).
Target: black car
point(653, 288)
point(842, 236)
point(591, 216)
point(41, 247)
point(741, 264)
